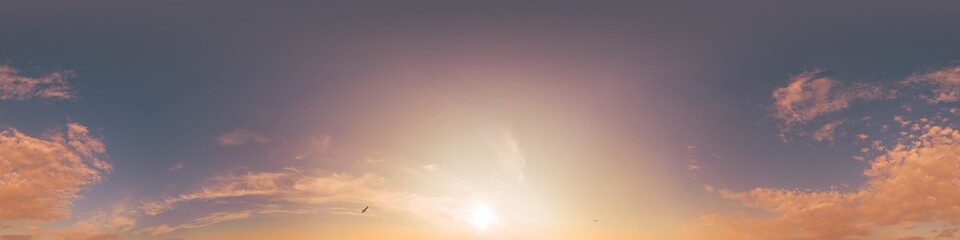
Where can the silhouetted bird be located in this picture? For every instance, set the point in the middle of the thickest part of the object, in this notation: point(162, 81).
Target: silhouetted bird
point(364, 209)
point(596, 220)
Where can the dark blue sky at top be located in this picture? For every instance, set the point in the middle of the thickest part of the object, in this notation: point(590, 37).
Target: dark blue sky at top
point(160, 80)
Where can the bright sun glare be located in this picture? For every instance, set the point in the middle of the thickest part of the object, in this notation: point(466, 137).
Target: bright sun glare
point(483, 217)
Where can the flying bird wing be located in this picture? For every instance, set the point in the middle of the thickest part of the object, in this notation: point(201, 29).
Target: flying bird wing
point(364, 209)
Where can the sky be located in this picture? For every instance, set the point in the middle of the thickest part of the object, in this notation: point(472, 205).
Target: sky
point(694, 120)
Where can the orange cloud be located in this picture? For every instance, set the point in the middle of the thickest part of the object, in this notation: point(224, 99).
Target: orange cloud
point(52, 86)
point(40, 177)
point(914, 182)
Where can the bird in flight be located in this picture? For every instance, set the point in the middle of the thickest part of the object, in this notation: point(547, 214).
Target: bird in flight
point(596, 220)
point(364, 209)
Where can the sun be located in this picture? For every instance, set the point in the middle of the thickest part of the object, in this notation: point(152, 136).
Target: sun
point(483, 217)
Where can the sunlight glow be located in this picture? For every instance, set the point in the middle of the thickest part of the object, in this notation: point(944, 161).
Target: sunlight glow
point(483, 217)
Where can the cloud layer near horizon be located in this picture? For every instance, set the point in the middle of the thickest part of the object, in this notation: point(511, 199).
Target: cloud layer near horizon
point(914, 181)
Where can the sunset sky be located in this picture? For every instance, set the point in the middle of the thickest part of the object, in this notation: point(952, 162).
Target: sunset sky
point(690, 120)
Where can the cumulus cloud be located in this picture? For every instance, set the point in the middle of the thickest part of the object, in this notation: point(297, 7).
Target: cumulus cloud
point(241, 137)
point(508, 153)
point(50, 86)
point(40, 177)
point(915, 182)
point(944, 84)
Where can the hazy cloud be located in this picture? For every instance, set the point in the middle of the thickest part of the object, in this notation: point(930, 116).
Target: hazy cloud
point(16, 237)
point(175, 167)
point(241, 137)
point(508, 153)
point(316, 146)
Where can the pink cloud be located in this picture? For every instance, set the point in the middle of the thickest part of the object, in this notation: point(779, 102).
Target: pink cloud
point(810, 95)
point(51, 86)
point(40, 177)
point(828, 132)
point(943, 83)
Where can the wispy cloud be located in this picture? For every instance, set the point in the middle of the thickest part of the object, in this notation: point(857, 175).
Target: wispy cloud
point(287, 186)
point(316, 146)
point(50, 86)
point(175, 167)
point(508, 153)
point(241, 137)
point(201, 222)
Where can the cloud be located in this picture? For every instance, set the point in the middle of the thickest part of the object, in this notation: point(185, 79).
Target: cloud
point(201, 222)
point(298, 191)
point(16, 237)
point(388, 187)
point(40, 177)
point(316, 146)
point(288, 186)
point(508, 153)
point(240, 137)
point(912, 183)
point(810, 95)
point(828, 132)
point(51, 86)
point(88, 234)
point(943, 83)
point(175, 167)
